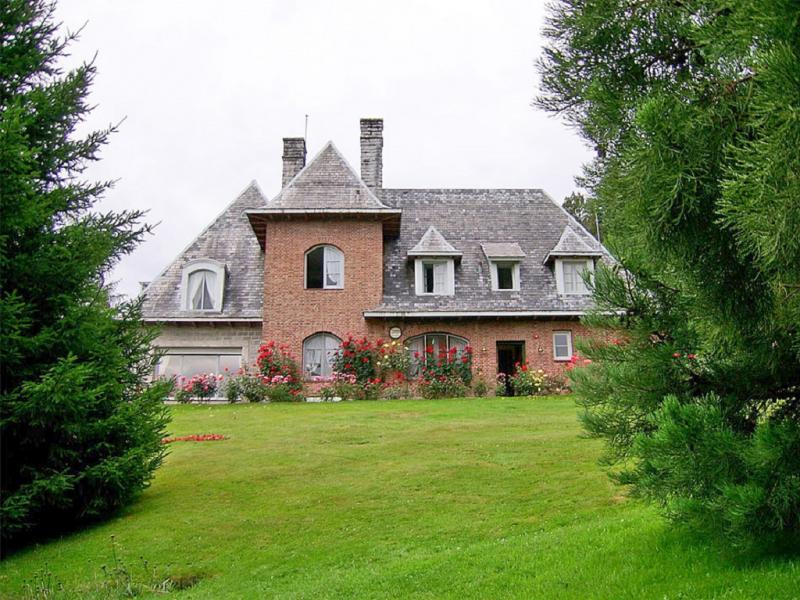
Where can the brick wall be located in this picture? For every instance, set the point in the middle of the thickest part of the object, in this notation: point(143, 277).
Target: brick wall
point(483, 335)
point(291, 312)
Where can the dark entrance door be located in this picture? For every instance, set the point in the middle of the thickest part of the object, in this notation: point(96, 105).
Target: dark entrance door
point(508, 355)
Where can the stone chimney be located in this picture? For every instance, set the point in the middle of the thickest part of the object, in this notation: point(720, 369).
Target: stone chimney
point(372, 152)
point(294, 158)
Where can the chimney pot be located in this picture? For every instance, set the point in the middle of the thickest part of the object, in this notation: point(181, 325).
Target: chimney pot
point(372, 152)
point(294, 158)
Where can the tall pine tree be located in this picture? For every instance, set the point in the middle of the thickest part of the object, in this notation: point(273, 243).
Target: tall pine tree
point(694, 109)
point(79, 427)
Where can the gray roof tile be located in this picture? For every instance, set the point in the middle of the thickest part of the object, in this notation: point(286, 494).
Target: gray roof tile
point(229, 240)
point(433, 243)
point(469, 219)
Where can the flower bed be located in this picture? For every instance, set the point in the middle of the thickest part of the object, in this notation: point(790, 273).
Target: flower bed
point(202, 437)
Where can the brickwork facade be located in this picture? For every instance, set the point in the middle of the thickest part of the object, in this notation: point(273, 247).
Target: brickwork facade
point(292, 312)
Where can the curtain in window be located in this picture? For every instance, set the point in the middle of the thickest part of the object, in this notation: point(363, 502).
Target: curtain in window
point(437, 342)
point(202, 290)
point(573, 282)
point(319, 353)
point(440, 278)
point(333, 267)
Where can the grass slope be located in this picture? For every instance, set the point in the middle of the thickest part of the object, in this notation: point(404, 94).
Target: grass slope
point(428, 499)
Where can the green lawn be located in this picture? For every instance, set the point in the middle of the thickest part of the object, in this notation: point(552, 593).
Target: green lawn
point(487, 498)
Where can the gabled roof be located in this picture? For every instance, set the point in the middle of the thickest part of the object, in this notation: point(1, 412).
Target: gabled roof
point(328, 182)
point(433, 243)
point(502, 250)
point(229, 240)
point(326, 187)
point(572, 244)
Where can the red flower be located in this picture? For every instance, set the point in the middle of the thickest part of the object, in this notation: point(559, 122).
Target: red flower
point(676, 355)
point(691, 356)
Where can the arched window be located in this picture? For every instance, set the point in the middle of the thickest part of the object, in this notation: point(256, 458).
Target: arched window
point(429, 346)
point(319, 353)
point(325, 268)
point(202, 285)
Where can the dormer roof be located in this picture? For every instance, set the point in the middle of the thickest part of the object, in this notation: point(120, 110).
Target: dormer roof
point(499, 250)
point(433, 243)
point(572, 244)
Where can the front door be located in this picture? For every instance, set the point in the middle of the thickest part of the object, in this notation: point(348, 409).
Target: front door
point(508, 355)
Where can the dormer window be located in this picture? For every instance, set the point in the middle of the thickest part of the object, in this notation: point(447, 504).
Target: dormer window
point(505, 276)
point(325, 268)
point(570, 275)
point(435, 277)
point(504, 259)
point(203, 282)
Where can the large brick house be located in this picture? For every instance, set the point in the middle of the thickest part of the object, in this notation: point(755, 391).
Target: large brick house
point(335, 253)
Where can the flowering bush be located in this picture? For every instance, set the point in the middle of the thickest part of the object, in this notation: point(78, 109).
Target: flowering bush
point(248, 386)
point(393, 362)
point(441, 387)
point(527, 382)
point(198, 386)
point(278, 367)
point(357, 357)
point(203, 437)
point(347, 387)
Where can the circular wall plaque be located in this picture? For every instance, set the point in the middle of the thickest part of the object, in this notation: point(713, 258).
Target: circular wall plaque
point(395, 333)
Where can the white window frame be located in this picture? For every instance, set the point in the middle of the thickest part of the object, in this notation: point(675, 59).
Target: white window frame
point(560, 262)
point(567, 333)
point(418, 343)
point(325, 259)
point(514, 275)
point(203, 264)
point(324, 335)
point(448, 286)
point(200, 351)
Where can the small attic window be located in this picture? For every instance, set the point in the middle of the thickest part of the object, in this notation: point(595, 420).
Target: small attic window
point(325, 268)
point(202, 285)
point(570, 275)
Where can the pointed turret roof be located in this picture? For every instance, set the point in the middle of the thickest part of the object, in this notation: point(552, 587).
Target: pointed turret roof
point(572, 244)
point(432, 243)
point(327, 186)
point(328, 182)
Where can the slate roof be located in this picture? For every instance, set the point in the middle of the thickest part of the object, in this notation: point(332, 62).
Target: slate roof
point(328, 182)
point(433, 243)
point(571, 244)
point(230, 240)
point(502, 250)
point(471, 219)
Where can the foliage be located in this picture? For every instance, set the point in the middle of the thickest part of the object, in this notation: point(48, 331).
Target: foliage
point(443, 386)
point(287, 391)
point(251, 387)
point(79, 426)
point(393, 361)
point(201, 386)
point(357, 356)
point(585, 210)
point(279, 366)
point(479, 387)
point(693, 109)
point(446, 364)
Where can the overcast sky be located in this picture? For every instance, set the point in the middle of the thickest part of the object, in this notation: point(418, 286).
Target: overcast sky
point(209, 89)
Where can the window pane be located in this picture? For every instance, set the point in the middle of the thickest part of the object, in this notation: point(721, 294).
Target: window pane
point(438, 343)
point(440, 278)
point(416, 350)
point(319, 353)
point(169, 365)
point(573, 282)
point(457, 343)
point(429, 279)
point(333, 273)
point(232, 362)
point(196, 364)
point(561, 345)
point(313, 362)
point(505, 276)
point(314, 260)
point(202, 289)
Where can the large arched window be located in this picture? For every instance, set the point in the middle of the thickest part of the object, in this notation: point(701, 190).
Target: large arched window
point(325, 268)
point(319, 353)
point(429, 346)
point(202, 285)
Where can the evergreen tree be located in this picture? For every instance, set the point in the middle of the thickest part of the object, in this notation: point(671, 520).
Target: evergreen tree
point(79, 427)
point(585, 210)
point(694, 108)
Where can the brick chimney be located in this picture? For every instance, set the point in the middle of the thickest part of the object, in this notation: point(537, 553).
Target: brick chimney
point(294, 158)
point(372, 152)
